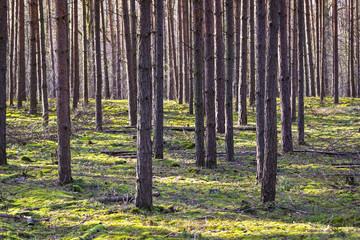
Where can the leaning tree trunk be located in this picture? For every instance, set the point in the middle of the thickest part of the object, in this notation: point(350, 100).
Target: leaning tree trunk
point(45, 103)
point(244, 65)
point(335, 50)
point(143, 198)
point(98, 94)
point(286, 135)
point(268, 187)
point(159, 82)
point(301, 26)
point(260, 86)
point(63, 102)
point(34, 30)
point(229, 131)
point(198, 81)
point(210, 87)
point(220, 70)
point(3, 69)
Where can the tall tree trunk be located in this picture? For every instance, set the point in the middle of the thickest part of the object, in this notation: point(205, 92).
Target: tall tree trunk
point(130, 62)
point(39, 77)
point(52, 51)
point(11, 53)
point(306, 68)
point(159, 82)
point(252, 55)
point(45, 103)
point(180, 39)
point(16, 51)
point(198, 81)
point(76, 90)
point(244, 65)
point(113, 50)
point(172, 38)
point(335, 50)
point(294, 68)
point(3, 69)
point(22, 75)
point(191, 94)
point(270, 159)
point(352, 70)
point(106, 67)
point(63, 94)
point(85, 77)
point(118, 61)
point(323, 47)
point(237, 52)
point(34, 30)
point(144, 176)
point(310, 51)
point(98, 96)
point(301, 26)
point(285, 86)
point(318, 48)
point(185, 6)
point(357, 29)
point(134, 45)
point(260, 86)
point(210, 87)
point(229, 131)
point(220, 69)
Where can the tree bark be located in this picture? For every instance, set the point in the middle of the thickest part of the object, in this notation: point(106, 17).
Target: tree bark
point(159, 82)
point(3, 69)
point(294, 68)
point(210, 87)
point(63, 94)
point(45, 103)
point(335, 50)
point(301, 26)
point(268, 187)
point(180, 39)
point(229, 132)
point(34, 32)
point(352, 70)
point(143, 198)
point(260, 86)
point(237, 53)
point(134, 49)
point(198, 81)
point(113, 50)
point(11, 53)
point(22, 75)
point(53, 80)
point(118, 60)
point(76, 90)
point(106, 66)
point(357, 50)
point(98, 96)
point(244, 65)
point(285, 86)
point(220, 69)
point(318, 47)
point(310, 51)
point(85, 73)
point(252, 55)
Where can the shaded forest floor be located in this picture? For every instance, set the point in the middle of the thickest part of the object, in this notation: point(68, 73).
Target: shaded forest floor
point(315, 200)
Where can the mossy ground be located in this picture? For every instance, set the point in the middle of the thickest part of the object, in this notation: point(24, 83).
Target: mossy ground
point(313, 199)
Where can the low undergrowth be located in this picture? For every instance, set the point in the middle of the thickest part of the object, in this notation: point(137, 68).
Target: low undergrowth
point(315, 200)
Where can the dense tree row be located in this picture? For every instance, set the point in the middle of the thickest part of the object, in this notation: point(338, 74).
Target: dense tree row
point(194, 52)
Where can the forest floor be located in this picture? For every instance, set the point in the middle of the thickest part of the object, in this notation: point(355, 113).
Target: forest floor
point(315, 199)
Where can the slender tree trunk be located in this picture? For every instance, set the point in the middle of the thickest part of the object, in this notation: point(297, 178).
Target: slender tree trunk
point(76, 68)
point(113, 50)
point(198, 81)
point(11, 74)
point(229, 131)
point(174, 56)
point(143, 198)
point(93, 52)
point(285, 86)
point(22, 75)
point(16, 51)
point(301, 26)
point(52, 51)
point(3, 69)
point(159, 82)
point(185, 6)
point(85, 77)
point(210, 86)
point(335, 50)
point(106, 67)
point(191, 97)
point(357, 46)
point(306, 68)
point(63, 94)
point(220, 69)
point(180, 39)
point(270, 159)
point(118, 61)
point(130, 62)
point(34, 30)
point(172, 81)
point(98, 97)
point(45, 103)
point(318, 48)
point(294, 68)
point(38, 51)
point(244, 65)
point(309, 43)
point(352, 70)
point(237, 52)
point(348, 87)
point(134, 45)
point(323, 47)
point(252, 55)
point(260, 86)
